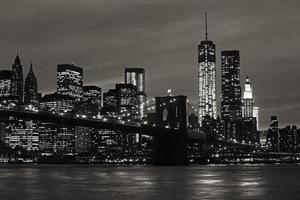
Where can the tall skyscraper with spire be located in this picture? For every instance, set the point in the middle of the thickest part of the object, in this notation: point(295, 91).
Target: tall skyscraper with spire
point(248, 100)
point(249, 110)
point(17, 79)
point(207, 104)
point(31, 89)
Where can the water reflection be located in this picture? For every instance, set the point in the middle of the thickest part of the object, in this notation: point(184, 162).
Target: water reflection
point(47, 182)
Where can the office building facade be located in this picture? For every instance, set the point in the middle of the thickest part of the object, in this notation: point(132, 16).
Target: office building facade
point(5, 83)
point(70, 80)
point(231, 97)
point(136, 77)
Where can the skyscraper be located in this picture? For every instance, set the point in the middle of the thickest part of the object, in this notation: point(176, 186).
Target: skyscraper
point(248, 100)
point(207, 104)
point(69, 80)
point(231, 100)
point(127, 99)
point(249, 111)
point(109, 102)
point(255, 114)
point(274, 135)
point(136, 77)
point(5, 83)
point(92, 94)
point(17, 79)
point(91, 100)
point(31, 88)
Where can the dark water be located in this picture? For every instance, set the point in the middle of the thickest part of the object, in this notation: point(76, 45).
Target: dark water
point(48, 182)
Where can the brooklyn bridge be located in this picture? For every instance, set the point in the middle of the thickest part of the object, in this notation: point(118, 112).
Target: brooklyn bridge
point(170, 143)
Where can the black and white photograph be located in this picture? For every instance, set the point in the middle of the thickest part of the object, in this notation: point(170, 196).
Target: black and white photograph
point(149, 99)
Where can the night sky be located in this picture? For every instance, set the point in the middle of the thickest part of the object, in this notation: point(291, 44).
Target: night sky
point(104, 36)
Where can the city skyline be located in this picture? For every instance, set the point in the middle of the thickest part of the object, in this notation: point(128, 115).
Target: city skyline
point(265, 68)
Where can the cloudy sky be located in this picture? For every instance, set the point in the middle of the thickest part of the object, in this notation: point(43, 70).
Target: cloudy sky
point(104, 36)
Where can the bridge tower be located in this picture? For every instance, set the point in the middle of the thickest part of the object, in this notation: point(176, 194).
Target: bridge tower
point(170, 146)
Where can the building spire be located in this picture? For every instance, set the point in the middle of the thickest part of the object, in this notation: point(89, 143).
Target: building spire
point(17, 60)
point(247, 80)
point(206, 34)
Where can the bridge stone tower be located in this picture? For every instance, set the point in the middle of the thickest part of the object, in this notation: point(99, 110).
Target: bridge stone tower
point(171, 146)
point(171, 112)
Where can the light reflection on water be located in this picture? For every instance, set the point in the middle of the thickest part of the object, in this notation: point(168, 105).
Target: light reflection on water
point(45, 182)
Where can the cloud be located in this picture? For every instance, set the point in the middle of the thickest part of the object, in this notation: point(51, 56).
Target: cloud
point(104, 36)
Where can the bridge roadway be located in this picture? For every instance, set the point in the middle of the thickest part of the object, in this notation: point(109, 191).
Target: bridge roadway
point(86, 122)
point(98, 123)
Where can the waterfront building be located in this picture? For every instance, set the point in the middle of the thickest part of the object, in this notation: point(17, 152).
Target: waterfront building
point(207, 104)
point(65, 140)
point(82, 139)
point(22, 134)
point(105, 141)
point(47, 137)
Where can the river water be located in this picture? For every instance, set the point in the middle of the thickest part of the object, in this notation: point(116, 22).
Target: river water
point(48, 182)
